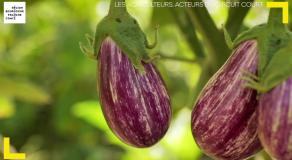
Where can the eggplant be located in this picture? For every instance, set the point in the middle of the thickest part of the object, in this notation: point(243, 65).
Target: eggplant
point(135, 104)
point(275, 121)
point(224, 118)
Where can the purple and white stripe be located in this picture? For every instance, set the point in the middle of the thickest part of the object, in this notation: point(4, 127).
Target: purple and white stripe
point(224, 119)
point(275, 121)
point(135, 105)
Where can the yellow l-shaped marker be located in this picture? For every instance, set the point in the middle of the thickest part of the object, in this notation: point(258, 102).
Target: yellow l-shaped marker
point(7, 154)
point(285, 10)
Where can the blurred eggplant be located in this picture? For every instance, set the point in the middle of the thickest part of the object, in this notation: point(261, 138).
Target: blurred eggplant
point(224, 118)
point(275, 121)
point(135, 104)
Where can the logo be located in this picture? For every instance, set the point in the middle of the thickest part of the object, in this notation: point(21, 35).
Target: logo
point(14, 13)
point(8, 155)
point(283, 6)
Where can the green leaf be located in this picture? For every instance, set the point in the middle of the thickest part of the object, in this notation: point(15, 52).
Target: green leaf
point(23, 90)
point(6, 107)
point(90, 112)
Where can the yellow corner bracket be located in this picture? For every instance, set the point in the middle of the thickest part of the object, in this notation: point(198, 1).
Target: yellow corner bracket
point(7, 154)
point(285, 10)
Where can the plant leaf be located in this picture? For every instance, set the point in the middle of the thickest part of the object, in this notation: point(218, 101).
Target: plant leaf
point(23, 90)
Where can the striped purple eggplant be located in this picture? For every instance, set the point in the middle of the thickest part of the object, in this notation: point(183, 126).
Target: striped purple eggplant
point(136, 105)
point(275, 121)
point(224, 118)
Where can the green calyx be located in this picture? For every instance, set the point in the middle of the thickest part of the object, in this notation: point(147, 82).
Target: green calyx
point(275, 53)
point(278, 70)
point(125, 32)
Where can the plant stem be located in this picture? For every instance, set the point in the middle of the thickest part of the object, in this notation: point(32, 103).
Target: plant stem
point(117, 7)
point(218, 51)
point(184, 22)
point(236, 16)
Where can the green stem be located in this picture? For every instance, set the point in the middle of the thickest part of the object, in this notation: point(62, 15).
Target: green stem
point(184, 22)
point(218, 51)
point(235, 19)
point(117, 7)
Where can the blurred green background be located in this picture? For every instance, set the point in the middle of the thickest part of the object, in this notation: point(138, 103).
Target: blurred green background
point(48, 101)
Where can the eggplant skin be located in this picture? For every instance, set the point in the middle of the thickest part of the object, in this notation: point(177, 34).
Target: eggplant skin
point(136, 105)
point(224, 118)
point(275, 121)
